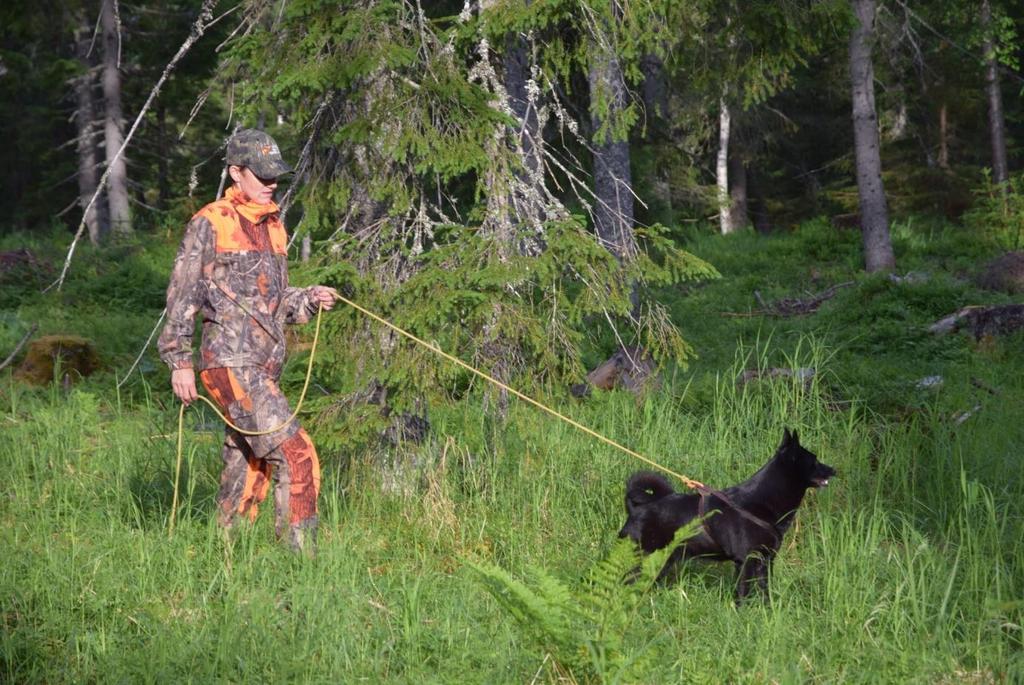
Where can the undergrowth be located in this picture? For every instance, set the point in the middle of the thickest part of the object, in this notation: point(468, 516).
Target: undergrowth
point(583, 629)
point(487, 553)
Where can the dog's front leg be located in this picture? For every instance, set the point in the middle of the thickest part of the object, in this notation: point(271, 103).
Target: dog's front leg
point(753, 569)
point(762, 580)
point(670, 571)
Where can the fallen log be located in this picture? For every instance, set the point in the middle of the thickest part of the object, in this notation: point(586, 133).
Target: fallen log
point(20, 260)
point(982, 321)
point(795, 306)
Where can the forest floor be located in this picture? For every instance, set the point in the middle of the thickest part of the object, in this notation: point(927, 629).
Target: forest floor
point(909, 567)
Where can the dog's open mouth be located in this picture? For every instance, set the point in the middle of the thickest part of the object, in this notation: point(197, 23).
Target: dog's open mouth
point(820, 482)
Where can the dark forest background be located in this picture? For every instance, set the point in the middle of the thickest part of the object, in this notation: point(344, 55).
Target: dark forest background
point(781, 69)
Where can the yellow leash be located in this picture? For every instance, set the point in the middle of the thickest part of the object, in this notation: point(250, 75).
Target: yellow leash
point(688, 482)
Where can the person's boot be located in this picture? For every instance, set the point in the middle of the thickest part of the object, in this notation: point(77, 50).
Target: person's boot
point(302, 536)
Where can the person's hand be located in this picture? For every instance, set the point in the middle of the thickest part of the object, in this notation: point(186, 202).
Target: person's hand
point(183, 382)
point(324, 296)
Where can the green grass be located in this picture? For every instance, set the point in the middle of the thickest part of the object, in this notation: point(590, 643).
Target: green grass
point(908, 568)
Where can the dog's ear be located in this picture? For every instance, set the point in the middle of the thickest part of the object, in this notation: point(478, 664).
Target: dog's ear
point(787, 437)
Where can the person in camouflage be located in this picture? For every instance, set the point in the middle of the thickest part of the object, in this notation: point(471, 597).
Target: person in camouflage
point(232, 268)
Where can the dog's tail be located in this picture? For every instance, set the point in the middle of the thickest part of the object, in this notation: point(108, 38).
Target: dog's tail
point(645, 487)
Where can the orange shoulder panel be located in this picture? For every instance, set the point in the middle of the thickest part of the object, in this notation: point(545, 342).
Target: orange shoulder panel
point(278, 236)
point(227, 229)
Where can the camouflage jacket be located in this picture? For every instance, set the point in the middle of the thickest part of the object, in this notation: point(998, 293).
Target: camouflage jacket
point(232, 267)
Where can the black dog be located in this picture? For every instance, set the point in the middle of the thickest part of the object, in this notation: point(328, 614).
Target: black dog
point(746, 522)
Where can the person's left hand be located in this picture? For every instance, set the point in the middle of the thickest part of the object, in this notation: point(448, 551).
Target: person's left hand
point(323, 295)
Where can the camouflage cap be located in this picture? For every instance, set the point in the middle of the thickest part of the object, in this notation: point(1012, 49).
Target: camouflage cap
point(256, 150)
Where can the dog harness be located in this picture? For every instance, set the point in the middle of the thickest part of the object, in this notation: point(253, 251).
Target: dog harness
point(702, 512)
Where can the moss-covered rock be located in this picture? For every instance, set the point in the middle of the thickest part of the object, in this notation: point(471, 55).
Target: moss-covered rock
point(1004, 274)
point(67, 357)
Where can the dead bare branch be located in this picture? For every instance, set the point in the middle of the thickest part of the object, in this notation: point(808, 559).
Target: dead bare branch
point(144, 348)
point(792, 306)
point(21, 344)
point(200, 26)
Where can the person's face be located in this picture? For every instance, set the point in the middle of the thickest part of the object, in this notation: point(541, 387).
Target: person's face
point(258, 190)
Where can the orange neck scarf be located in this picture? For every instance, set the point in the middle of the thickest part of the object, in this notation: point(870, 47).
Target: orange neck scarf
point(250, 210)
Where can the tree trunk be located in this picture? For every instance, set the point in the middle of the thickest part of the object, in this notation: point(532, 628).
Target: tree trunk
point(722, 167)
point(163, 174)
point(943, 136)
point(613, 184)
point(527, 134)
point(758, 203)
point(517, 72)
point(874, 213)
point(613, 215)
point(85, 121)
point(654, 92)
point(117, 183)
point(738, 193)
point(996, 123)
point(517, 200)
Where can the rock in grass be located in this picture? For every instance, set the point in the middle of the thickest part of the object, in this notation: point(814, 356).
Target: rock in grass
point(631, 368)
point(1004, 274)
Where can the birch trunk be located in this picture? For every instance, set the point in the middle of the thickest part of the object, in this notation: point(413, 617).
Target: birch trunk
point(722, 167)
point(85, 124)
point(874, 212)
point(996, 120)
point(117, 183)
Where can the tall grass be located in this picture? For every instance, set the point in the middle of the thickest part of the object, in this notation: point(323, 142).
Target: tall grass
point(908, 568)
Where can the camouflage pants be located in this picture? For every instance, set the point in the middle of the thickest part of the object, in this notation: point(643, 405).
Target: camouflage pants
point(251, 398)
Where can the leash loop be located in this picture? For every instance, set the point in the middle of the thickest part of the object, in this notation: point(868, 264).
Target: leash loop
point(216, 410)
